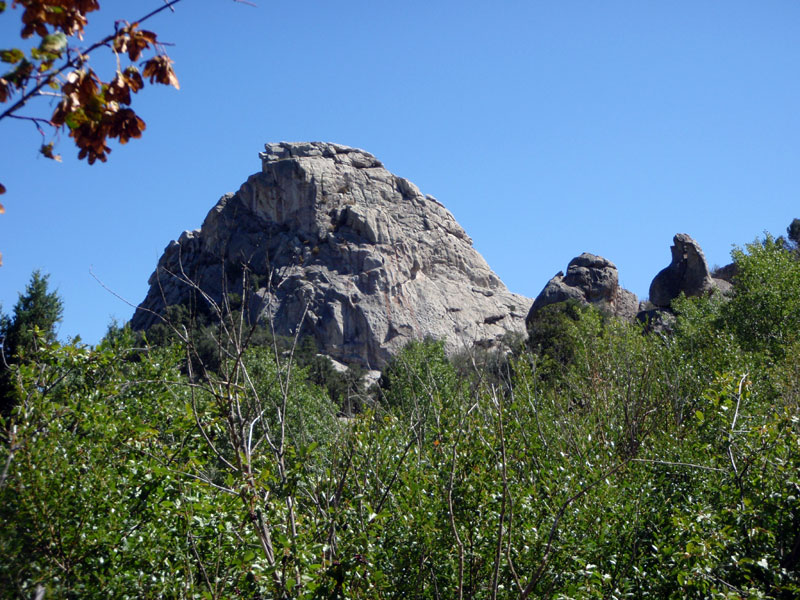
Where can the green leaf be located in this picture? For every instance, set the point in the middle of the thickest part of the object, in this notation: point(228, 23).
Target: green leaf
point(699, 416)
point(12, 56)
point(74, 120)
point(54, 43)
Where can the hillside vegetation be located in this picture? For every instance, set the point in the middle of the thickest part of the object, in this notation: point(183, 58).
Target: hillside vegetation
point(595, 461)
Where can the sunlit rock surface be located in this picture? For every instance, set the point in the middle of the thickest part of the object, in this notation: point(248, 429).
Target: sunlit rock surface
point(334, 243)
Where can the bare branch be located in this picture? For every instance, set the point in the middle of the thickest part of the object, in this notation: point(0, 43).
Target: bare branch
point(733, 423)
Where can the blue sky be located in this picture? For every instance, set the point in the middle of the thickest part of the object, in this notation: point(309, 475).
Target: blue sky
point(547, 128)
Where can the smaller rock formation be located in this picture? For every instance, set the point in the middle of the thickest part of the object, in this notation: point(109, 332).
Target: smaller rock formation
point(724, 275)
point(590, 279)
point(657, 320)
point(688, 273)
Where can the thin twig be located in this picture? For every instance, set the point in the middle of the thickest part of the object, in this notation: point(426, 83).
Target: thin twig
point(733, 424)
point(675, 464)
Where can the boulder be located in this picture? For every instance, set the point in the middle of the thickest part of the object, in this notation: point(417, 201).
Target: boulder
point(325, 239)
point(723, 277)
point(657, 320)
point(688, 273)
point(590, 279)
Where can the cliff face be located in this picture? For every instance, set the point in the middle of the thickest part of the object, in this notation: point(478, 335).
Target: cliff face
point(336, 244)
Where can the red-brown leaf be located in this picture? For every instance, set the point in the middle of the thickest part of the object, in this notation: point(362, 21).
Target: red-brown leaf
point(126, 124)
point(133, 41)
point(159, 70)
point(133, 78)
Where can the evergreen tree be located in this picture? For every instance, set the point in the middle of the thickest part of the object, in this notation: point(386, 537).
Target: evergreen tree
point(36, 308)
point(793, 230)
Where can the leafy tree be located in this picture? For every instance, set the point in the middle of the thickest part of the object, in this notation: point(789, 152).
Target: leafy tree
point(90, 495)
point(559, 332)
point(93, 108)
point(764, 312)
point(793, 230)
point(418, 376)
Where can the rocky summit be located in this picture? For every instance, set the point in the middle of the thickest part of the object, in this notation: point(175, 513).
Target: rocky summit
point(590, 279)
point(331, 242)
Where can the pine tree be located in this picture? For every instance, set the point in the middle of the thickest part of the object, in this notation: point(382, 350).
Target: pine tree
point(793, 231)
point(37, 308)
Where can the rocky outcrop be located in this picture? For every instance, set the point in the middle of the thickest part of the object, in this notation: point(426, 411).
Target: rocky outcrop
point(328, 240)
point(590, 279)
point(657, 320)
point(688, 273)
point(725, 274)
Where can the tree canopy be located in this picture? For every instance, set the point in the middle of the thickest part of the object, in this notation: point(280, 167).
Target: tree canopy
point(37, 308)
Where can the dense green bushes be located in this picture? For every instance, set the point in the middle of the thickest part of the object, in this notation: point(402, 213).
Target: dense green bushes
point(603, 463)
point(764, 311)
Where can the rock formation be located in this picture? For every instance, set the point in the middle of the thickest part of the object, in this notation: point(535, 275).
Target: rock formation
point(593, 280)
point(334, 243)
point(688, 273)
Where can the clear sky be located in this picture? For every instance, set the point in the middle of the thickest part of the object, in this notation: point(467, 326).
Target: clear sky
point(547, 128)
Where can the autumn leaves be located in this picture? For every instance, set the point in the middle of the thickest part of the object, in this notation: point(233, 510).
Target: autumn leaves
point(92, 109)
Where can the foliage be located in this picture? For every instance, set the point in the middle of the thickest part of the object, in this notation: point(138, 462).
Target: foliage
point(793, 231)
point(764, 312)
point(608, 463)
point(36, 308)
point(87, 497)
point(345, 388)
point(557, 331)
point(415, 378)
point(93, 109)
point(211, 345)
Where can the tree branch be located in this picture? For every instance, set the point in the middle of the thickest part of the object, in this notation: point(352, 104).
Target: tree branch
point(73, 63)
